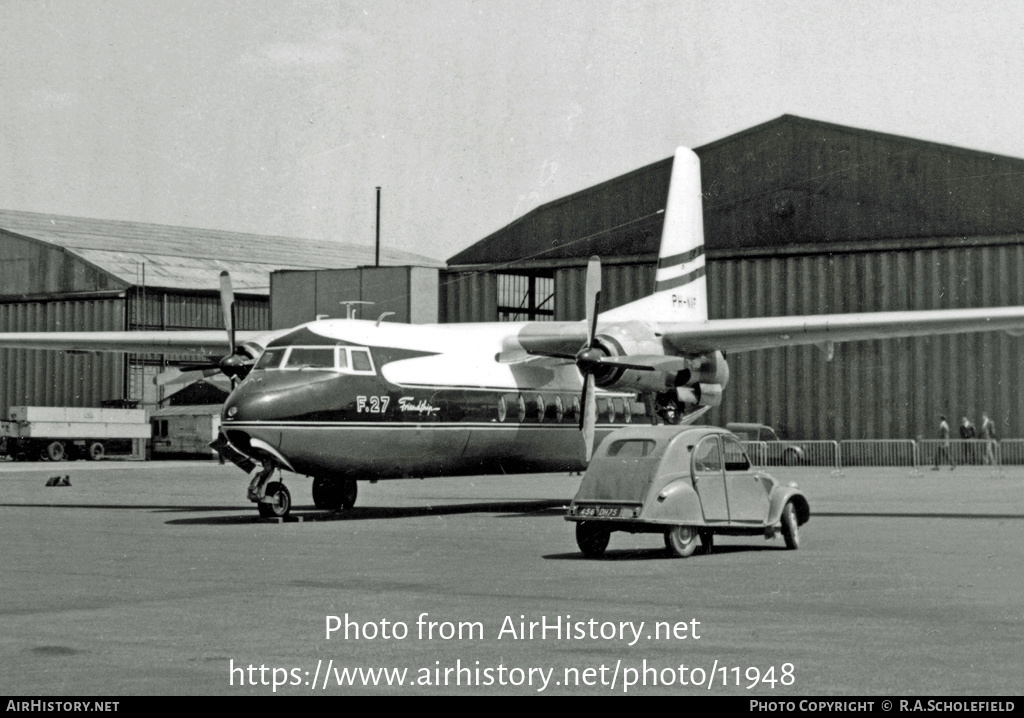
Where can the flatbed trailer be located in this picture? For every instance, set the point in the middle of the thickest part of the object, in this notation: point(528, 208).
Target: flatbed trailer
point(35, 433)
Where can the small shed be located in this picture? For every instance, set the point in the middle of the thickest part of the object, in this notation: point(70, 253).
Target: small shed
point(185, 431)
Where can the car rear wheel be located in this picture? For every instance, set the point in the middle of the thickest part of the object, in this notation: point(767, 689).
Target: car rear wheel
point(681, 541)
point(592, 538)
point(790, 527)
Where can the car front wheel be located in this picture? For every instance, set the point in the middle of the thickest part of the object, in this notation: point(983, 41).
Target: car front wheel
point(790, 527)
point(681, 541)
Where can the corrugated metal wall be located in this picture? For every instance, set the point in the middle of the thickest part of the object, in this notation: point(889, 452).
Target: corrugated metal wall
point(46, 378)
point(880, 389)
point(620, 284)
point(299, 296)
point(160, 309)
point(469, 297)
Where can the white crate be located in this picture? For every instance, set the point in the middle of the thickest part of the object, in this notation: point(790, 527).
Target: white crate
point(77, 414)
point(82, 430)
point(37, 413)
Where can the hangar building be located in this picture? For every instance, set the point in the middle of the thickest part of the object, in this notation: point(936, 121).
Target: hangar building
point(70, 274)
point(800, 217)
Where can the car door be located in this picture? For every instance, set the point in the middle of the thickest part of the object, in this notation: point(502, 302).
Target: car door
point(748, 497)
point(709, 479)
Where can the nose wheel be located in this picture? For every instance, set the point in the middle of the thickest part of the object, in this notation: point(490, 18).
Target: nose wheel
point(277, 501)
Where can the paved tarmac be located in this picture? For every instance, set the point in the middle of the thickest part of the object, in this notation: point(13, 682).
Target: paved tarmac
point(159, 578)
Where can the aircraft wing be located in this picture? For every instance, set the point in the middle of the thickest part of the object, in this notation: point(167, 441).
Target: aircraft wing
point(737, 335)
point(204, 341)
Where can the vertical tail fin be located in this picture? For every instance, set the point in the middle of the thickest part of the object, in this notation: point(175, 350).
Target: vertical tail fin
point(680, 289)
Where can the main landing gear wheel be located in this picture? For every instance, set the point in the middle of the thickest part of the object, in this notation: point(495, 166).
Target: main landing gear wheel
point(278, 501)
point(790, 527)
point(334, 494)
point(681, 541)
point(592, 538)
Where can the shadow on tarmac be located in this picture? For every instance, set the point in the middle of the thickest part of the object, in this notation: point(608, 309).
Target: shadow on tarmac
point(886, 515)
point(116, 507)
point(504, 509)
point(660, 553)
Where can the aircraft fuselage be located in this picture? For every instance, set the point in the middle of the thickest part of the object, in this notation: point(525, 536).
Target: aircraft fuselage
point(353, 399)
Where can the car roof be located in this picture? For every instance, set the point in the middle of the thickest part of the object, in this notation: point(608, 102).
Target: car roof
point(662, 434)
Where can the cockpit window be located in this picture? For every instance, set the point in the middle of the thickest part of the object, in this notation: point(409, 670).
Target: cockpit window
point(361, 360)
point(271, 359)
point(349, 360)
point(310, 358)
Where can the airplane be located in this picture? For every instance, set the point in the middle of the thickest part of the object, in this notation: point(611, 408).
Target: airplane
point(342, 400)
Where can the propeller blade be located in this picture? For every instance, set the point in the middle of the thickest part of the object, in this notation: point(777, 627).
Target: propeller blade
point(227, 306)
point(593, 297)
point(588, 419)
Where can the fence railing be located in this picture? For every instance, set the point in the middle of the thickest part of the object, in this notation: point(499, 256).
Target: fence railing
point(1011, 452)
point(794, 453)
point(959, 452)
point(880, 452)
point(886, 452)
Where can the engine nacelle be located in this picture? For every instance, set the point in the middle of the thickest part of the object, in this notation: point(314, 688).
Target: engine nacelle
point(699, 395)
point(636, 341)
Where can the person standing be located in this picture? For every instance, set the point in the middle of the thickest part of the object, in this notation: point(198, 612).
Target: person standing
point(942, 454)
point(967, 433)
point(988, 435)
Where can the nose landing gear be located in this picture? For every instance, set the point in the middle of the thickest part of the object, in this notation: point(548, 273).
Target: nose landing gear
point(272, 498)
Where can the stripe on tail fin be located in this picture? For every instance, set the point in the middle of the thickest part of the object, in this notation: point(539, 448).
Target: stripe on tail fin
point(680, 289)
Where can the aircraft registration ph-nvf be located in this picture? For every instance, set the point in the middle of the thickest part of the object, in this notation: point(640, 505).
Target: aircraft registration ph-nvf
point(344, 399)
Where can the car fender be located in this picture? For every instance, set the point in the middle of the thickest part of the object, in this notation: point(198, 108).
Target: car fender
point(676, 502)
point(780, 496)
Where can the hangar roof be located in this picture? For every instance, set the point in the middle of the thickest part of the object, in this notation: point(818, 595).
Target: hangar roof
point(787, 184)
point(190, 258)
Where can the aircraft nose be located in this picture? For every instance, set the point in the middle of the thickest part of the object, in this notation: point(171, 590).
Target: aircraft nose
point(282, 396)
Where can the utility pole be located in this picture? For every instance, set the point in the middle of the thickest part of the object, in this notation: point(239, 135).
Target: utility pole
point(378, 227)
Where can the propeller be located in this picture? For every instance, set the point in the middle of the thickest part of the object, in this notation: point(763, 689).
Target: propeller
point(235, 362)
point(588, 359)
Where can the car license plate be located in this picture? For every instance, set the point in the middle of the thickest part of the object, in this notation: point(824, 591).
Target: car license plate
point(600, 512)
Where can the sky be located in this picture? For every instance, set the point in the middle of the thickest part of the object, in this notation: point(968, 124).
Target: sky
point(281, 117)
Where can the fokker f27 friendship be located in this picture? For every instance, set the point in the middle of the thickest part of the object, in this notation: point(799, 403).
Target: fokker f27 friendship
point(345, 399)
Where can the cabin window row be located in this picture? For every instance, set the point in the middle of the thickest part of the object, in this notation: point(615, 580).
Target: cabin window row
point(538, 408)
